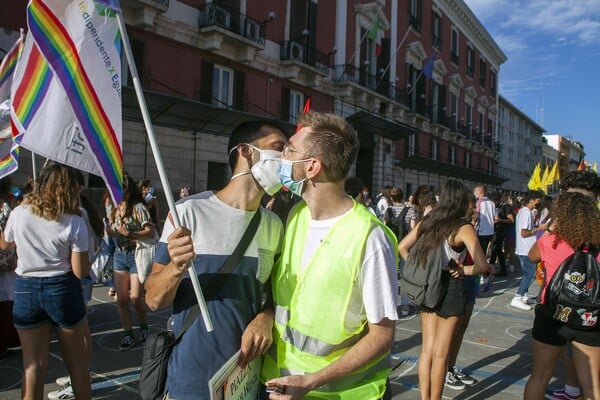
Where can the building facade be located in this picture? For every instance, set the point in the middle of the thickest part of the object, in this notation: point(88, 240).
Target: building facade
point(570, 152)
point(418, 79)
point(520, 143)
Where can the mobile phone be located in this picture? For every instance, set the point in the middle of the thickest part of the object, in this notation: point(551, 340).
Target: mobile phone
point(452, 263)
point(275, 388)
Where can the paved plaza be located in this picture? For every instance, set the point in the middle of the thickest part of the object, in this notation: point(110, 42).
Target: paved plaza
point(496, 351)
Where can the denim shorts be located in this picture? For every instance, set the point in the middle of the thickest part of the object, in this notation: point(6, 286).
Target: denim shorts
point(57, 300)
point(124, 260)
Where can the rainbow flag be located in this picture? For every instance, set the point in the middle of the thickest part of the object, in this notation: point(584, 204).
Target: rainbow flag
point(77, 120)
point(7, 68)
point(9, 153)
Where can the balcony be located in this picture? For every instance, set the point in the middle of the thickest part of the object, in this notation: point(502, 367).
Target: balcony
point(229, 32)
point(143, 12)
point(302, 63)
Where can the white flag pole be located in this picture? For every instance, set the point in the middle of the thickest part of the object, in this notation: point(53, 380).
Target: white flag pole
point(159, 163)
point(34, 167)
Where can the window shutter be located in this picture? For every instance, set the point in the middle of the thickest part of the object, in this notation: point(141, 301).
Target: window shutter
point(285, 104)
point(238, 91)
point(206, 82)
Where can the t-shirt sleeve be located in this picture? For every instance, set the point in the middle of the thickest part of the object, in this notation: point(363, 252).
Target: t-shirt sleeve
point(79, 235)
point(141, 214)
point(161, 252)
point(379, 279)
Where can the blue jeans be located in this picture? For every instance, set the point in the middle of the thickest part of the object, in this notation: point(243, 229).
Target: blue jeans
point(124, 260)
point(528, 268)
point(57, 300)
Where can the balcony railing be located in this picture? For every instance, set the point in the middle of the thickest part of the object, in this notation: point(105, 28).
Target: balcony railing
point(164, 3)
point(295, 50)
point(351, 73)
point(232, 21)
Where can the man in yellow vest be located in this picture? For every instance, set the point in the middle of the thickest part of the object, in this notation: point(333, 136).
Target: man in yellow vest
point(335, 285)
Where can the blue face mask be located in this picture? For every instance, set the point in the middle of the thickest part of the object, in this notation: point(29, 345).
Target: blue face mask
point(287, 166)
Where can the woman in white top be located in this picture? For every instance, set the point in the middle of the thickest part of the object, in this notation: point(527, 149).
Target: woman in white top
point(52, 243)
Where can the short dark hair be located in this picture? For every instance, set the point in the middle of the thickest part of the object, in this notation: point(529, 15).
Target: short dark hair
point(587, 180)
point(396, 194)
point(532, 195)
point(248, 132)
point(353, 185)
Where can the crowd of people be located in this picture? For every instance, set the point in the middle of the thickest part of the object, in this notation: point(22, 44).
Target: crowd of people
point(315, 294)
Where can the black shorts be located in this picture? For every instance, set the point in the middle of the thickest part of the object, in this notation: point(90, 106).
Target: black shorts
point(453, 302)
point(550, 331)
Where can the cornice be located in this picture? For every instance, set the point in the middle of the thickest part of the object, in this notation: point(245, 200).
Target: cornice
point(460, 14)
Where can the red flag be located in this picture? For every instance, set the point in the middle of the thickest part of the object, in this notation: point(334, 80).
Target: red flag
point(581, 166)
point(305, 110)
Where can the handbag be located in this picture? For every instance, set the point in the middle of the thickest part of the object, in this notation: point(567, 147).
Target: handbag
point(159, 346)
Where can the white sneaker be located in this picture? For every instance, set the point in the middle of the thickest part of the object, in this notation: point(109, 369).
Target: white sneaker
point(65, 393)
point(63, 381)
point(517, 302)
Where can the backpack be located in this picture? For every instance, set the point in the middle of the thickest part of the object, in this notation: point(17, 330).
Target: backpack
point(423, 286)
point(397, 223)
point(573, 294)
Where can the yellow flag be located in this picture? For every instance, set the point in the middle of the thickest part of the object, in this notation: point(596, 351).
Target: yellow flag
point(595, 168)
point(535, 180)
point(552, 176)
point(544, 181)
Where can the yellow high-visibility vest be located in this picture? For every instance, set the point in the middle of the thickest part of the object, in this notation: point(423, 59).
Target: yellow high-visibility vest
point(313, 306)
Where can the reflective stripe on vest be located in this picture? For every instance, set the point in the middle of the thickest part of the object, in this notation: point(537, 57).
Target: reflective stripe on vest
point(309, 344)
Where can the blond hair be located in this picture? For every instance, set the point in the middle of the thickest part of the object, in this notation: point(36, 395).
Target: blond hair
point(55, 193)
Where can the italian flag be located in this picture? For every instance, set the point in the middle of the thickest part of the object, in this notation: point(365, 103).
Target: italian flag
point(375, 36)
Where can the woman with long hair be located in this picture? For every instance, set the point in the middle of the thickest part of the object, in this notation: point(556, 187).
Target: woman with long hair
point(52, 242)
point(446, 225)
point(131, 223)
point(575, 222)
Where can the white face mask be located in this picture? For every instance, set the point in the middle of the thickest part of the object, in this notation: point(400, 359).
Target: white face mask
point(266, 170)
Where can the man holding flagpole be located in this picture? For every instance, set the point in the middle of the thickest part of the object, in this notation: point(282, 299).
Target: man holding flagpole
point(214, 225)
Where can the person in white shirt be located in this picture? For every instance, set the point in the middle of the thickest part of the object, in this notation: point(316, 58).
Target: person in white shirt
point(525, 239)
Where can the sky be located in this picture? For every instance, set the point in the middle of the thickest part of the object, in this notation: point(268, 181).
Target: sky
point(553, 69)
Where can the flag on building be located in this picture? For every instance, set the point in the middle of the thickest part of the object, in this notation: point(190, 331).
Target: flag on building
point(67, 89)
point(304, 110)
point(375, 35)
point(9, 151)
point(535, 179)
point(581, 166)
point(553, 176)
point(428, 67)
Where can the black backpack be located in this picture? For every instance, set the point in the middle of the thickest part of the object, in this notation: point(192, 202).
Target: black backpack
point(573, 294)
point(422, 284)
point(397, 224)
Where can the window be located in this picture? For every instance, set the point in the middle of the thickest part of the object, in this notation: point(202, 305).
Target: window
point(453, 112)
point(222, 93)
point(412, 144)
point(452, 155)
point(467, 159)
point(482, 72)
point(490, 127)
point(296, 105)
point(454, 47)
point(414, 14)
point(480, 125)
point(434, 149)
point(470, 61)
point(436, 30)
point(492, 82)
point(468, 117)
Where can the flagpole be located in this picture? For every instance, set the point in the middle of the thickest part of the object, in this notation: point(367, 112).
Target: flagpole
point(396, 52)
point(363, 37)
point(159, 163)
point(34, 167)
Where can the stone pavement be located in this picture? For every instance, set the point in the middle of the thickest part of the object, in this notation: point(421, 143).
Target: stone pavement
point(496, 351)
